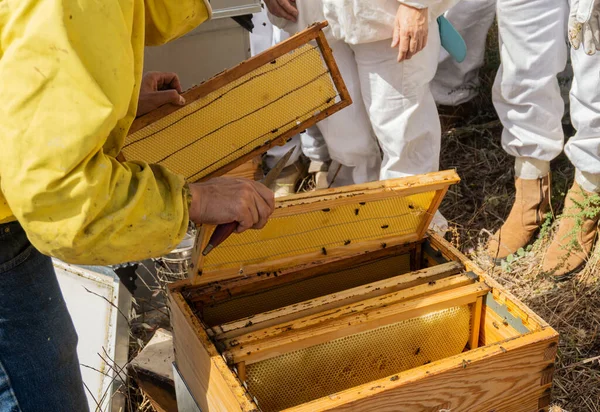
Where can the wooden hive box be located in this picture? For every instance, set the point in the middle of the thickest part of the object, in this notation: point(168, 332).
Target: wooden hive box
point(345, 302)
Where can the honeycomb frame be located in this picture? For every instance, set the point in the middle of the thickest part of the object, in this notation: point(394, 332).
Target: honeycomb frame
point(327, 224)
point(244, 111)
point(304, 375)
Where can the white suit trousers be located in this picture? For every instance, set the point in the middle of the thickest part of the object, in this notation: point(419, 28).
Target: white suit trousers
point(348, 133)
point(400, 104)
point(392, 107)
point(350, 142)
point(456, 83)
point(526, 92)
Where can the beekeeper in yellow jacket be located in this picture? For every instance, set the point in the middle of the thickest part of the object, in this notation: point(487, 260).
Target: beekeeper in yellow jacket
point(70, 76)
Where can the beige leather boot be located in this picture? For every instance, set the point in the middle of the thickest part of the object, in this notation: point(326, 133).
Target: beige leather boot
point(572, 243)
point(320, 171)
point(532, 202)
point(288, 179)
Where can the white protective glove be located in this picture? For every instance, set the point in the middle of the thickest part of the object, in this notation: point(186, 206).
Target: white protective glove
point(584, 25)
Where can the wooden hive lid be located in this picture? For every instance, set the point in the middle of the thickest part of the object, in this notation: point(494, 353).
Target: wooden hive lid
point(242, 112)
point(327, 224)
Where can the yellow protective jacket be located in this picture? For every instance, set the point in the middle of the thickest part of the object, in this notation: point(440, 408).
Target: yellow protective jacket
point(70, 73)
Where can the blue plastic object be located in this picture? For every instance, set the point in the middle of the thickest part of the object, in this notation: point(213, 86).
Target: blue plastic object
point(451, 40)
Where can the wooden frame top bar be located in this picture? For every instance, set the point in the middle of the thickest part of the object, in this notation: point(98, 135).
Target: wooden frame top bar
point(403, 185)
point(427, 278)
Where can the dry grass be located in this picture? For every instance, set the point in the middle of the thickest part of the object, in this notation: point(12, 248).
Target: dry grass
point(477, 207)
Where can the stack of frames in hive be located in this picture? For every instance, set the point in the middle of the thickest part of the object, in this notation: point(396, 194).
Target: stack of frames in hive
point(345, 301)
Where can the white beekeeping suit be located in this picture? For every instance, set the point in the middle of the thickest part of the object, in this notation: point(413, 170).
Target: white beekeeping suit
point(456, 83)
point(526, 94)
point(394, 98)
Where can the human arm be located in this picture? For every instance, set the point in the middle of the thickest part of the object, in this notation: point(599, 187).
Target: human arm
point(69, 95)
point(168, 20)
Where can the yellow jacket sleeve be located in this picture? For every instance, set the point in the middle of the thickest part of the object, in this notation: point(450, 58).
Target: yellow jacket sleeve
point(165, 22)
point(70, 72)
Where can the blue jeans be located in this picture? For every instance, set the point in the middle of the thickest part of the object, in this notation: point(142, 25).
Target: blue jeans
point(39, 369)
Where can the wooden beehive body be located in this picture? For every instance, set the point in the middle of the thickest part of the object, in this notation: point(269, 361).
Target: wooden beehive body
point(346, 302)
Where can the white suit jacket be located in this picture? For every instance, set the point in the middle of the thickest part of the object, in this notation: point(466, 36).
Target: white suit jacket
point(357, 21)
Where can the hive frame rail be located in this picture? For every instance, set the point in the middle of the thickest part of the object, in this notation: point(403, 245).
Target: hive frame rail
point(412, 284)
point(338, 323)
point(476, 312)
point(359, 307)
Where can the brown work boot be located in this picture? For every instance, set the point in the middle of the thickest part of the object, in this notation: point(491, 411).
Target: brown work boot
point(532, 202)
point(572, 243)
